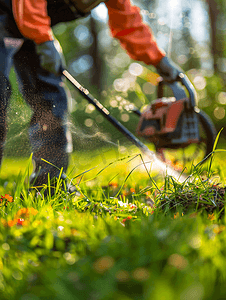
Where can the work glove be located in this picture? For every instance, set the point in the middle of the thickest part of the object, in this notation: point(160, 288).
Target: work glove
point(51, 56)
point(168, 69)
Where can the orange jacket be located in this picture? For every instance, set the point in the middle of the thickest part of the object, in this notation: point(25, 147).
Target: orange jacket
point(125, 23)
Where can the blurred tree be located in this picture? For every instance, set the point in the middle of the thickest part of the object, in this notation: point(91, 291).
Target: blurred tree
point(191, 61)
point(213, 15)
point(94, 51)
point(217, 11)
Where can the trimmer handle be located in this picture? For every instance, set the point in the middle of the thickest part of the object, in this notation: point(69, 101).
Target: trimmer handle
point(178, 90)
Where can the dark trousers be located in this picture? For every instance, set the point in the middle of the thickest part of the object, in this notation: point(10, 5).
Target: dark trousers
point(45, 94)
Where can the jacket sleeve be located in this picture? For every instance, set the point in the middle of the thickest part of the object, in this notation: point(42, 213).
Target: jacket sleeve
point(32, 19)
point(136, 38)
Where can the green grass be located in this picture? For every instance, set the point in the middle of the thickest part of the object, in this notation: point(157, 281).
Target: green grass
point(132, 234)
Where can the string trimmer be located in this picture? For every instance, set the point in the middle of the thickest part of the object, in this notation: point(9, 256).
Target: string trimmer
point(177, 123)
point(168, 122)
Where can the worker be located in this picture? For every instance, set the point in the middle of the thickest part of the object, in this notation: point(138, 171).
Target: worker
point(27, 43)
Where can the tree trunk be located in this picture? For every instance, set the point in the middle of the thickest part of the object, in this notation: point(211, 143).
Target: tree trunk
point(213, 15)
point(97, 61)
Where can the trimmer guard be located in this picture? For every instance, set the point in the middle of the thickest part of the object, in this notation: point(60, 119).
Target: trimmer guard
point(169, 123)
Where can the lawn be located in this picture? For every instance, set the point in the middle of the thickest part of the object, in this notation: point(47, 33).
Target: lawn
point(130, 234)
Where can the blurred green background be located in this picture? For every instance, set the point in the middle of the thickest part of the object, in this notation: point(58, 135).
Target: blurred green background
point(193, 34)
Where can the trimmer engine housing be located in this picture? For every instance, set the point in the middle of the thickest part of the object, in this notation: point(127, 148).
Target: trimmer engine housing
point(169, 123)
